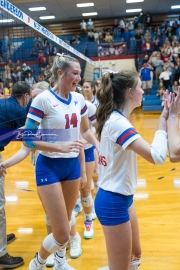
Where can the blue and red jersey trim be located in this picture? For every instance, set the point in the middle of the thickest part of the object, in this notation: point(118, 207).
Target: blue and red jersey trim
point(126, 135)
point(36, 112)
point(84, 109)
point(92, 118)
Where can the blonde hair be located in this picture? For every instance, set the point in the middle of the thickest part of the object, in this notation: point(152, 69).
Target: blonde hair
point(60, 62)
point(41, 85)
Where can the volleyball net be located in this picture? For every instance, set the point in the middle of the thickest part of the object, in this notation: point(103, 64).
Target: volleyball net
point(26, 43)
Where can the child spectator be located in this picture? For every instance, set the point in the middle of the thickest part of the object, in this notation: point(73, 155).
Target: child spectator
point(175, 87)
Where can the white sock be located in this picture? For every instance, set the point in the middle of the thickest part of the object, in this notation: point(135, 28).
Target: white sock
point(87, 217)
point(73, 236)
point(40, 260)
point(134, 265)
point(61, 252)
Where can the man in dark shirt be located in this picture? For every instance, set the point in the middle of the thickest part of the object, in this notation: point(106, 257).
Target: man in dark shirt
point(12, 116)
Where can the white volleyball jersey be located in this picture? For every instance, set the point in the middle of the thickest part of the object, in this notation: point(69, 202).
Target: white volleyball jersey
point(59, 119)
point(92, 118)
point(95, 102)
point(118, 166)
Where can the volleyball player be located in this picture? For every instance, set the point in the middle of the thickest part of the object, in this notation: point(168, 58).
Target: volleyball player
point(119, 142)
point(57, 166)
point(173, 128)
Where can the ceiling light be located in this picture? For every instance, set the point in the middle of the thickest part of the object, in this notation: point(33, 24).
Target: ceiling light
point(134, 1)
point(90, 14)
point(85, 5)
point(7, 20)
point(46, 17)
point(174, 7)
point(134, 10)
point(37, 8)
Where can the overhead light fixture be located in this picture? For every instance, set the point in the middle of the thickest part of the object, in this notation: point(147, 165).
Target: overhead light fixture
point(174, 7)
point(37, 8)
point(7, 20)
point(134, 10)
point(90, 14)
point(134, 1)
point(85, 5)
point(47, 17)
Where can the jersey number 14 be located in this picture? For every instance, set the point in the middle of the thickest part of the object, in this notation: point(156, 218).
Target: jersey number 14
point(72, 121)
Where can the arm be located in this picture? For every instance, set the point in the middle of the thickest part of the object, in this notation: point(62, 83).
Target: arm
point(75, 146)
point(173, 129)
point(17, 157)
point(87, 133)
point(83, 177)
point(156, 152)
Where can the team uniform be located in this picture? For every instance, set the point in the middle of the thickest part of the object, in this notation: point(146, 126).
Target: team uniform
point(89, 148)
point(95, 102)
point(117, 171)
point(61, 119)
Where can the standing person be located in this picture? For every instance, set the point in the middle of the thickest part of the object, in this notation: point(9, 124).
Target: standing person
point(173, 128)
point(12, 116)
point(145, 75)
point(83, 26)
point(120, 93)
point(89, 92)
point(57, 166)
point(165, 76)
point(51, 52)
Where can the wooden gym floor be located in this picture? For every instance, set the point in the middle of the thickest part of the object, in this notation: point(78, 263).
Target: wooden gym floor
point(157, 202)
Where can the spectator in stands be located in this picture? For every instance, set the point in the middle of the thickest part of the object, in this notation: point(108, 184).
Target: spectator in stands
point(175, 87)
point(177, 70)
point(145, 60)
point(148, 20)
point(66, 40)
point(174, 27)
point(72, 40)
point(8, 44)
point(40, 78)
point(51, 52)
point(37, 40)
point(138, 36)
point(47, 71)
point(135, 23)
point(35, 50)
point(91, 36)
point(108, 38)
point(77, 41)
point(25, 70)
point(168, 32)
point(145, 74)
point(158, 34)
point(161, 90)
point(158, 65)
point(111, 50)
point(29, 79)
point(96, 36)
point(115, 27)
point(147, 47)
point(90, 25)
point(45, 43)
point(165, 52)
point(7, 73)
point(41, 58)
point(83, 27)
point(122, 26)
point(1, 53)
point(141, 21)
point(44, 63)
point(156, 46)
point(165, 77)
point(126, 37)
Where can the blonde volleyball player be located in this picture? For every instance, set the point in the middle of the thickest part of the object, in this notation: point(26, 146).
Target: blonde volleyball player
point(119, 143)
point(57, 166)
point(75, 240)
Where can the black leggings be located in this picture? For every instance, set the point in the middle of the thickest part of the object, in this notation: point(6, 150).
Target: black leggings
point(166, 84)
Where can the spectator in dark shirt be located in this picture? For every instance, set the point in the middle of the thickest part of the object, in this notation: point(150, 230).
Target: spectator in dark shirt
point(138, 37)
point(12, 116)
point(156, 45)
point(148, 20)
point(127, 37)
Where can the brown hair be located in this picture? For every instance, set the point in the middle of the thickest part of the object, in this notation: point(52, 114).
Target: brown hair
point(111, 96)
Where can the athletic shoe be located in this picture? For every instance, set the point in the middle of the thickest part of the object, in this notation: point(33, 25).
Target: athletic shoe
point(104, 268)
point(93, 213)
point(77, 209)
point(10, 237)
point(88, 229)
point(61, 264)
point(36, 265)
point(75, 246)
point(7, 261)
point(50, 261)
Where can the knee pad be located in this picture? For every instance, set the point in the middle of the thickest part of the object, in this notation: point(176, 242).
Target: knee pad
point(47, 221)
point(92, 185)
point(51, 245)
point(134, 265)
point(87, 201)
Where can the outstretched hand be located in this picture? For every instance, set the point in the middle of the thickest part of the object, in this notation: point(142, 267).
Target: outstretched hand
point(2, 170)
point(174, 107)
point(167, 99)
